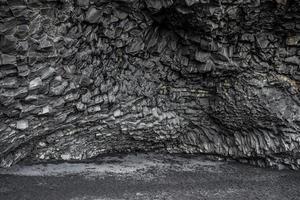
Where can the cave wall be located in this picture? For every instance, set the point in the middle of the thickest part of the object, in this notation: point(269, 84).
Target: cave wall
point(83, 78)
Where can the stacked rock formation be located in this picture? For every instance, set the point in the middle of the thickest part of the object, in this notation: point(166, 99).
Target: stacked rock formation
point(82, 78)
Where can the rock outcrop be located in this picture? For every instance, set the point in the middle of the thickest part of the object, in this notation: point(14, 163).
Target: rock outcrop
point(81, 78)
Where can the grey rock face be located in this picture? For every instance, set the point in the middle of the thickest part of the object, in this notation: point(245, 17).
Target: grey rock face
point(82, 78)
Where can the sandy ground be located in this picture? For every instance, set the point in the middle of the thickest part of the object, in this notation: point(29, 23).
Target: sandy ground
point(147, 176)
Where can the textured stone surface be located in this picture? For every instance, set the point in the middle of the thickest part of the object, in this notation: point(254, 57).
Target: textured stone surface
point(86, 77)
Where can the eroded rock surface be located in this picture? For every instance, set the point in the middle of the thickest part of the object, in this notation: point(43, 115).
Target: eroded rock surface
point(80, 78)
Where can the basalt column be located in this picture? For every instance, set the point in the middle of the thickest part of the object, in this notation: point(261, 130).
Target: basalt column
point(82, 78)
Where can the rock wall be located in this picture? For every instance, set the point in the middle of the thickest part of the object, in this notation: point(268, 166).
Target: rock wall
point(81, 78)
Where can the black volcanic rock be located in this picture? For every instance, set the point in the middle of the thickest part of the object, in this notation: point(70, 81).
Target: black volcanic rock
point(81, 78)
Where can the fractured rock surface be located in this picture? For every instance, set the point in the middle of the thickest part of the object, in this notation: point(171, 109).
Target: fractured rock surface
point(80, 78)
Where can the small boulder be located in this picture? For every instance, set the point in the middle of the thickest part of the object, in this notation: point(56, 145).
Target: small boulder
point(22, 31)
point(45, 43)
point(35, 83)
point(46, 110)
point(8, 60)
point(93, 15)
point(202, 56)
point(47, 73)
point(22, 124)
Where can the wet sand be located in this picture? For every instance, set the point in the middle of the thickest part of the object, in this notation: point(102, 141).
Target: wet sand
point(147, 176)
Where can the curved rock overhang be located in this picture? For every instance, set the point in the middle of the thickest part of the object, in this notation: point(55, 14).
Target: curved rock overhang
point(83, 78)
